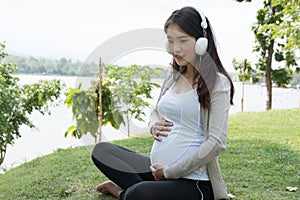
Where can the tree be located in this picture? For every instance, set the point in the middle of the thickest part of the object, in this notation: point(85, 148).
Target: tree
point(85, 108)
point(124, 91)
point(17, 102)
point(245, 73)
point(277, 33)
point(131, 86)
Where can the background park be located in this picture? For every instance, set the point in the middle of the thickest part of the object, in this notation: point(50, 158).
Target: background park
point(54, 105)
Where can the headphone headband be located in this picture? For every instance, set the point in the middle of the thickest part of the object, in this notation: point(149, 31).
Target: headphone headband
point(202, 42)
point(203, 23)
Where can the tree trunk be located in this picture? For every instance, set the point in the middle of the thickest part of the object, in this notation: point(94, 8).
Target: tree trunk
point(269, 69)
point(128, 125)
point(243, 86)
point(100, 101)
point(2, 155)
point(268, 75)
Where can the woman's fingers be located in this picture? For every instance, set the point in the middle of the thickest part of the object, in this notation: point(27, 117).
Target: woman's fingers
point(160, 128)
point(164, 128)
point(157, 138)
point(158, 134)
point(164, 123)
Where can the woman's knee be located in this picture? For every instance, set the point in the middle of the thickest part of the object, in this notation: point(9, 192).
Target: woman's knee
point(138, 191)
point(100, 149)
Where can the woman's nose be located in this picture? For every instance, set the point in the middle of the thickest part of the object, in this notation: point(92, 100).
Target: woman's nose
point(176, 48)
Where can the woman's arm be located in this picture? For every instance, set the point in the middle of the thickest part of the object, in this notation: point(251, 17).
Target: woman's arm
point(216, 133)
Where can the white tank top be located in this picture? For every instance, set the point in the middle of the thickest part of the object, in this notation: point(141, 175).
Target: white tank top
point(187, 131)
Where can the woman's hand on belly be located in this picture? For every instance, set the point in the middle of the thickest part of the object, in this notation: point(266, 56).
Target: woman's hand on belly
point(157, 171)
point(160, 129)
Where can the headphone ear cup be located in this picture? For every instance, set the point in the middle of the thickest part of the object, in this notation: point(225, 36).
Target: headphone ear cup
point(201, 46)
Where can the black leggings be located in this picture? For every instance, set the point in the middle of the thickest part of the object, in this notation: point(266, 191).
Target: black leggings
point(131, 172)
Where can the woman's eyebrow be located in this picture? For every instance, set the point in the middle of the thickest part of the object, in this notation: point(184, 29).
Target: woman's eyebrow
point(180, 37)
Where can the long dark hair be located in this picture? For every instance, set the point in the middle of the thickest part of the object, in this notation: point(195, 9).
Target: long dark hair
point(206, 66)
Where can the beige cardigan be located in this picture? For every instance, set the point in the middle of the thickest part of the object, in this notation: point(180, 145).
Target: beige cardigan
point(215, 124)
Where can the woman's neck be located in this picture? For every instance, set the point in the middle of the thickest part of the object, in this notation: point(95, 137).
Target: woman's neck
point(189, 73)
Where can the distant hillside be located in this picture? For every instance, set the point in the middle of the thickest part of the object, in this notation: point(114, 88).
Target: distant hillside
point(46, 66)
point(63, 66)
point(68, 67)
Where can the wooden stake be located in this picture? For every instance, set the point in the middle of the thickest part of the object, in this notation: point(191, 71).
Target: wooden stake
point(243, 86)
point(100, 100)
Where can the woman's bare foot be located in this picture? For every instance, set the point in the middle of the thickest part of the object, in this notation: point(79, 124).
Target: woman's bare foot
point(101, 188)
point(109, 187)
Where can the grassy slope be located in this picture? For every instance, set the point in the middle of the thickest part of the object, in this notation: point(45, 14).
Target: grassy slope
point(261, 160)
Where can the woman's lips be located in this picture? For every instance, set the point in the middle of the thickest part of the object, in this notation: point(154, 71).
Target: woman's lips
point(178, 57)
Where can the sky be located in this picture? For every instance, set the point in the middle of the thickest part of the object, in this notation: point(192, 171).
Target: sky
point(73, 29)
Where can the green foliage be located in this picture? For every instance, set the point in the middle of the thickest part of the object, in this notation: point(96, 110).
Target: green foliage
point(85, 110)
point(282, 77)
point(245, 71)
point(17, 101)
point(124, 91)
point(277, 35)
point(289, 28)
point(131, 86)
point(37, 96)
point(261, 160)
point(277, 29)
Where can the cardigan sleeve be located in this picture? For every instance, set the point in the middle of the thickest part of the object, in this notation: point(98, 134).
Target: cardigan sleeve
point(216, 133)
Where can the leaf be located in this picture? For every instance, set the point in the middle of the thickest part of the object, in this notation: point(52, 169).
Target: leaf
point(291, 189)
point(70, 130)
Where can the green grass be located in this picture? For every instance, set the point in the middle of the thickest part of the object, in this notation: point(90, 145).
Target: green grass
point(261, 160)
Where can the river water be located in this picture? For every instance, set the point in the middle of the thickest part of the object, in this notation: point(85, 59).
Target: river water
point(49, 135)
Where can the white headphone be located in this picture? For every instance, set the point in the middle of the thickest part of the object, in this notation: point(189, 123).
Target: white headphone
point(202, 42)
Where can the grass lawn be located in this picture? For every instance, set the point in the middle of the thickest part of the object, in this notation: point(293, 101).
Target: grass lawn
point(261, 160)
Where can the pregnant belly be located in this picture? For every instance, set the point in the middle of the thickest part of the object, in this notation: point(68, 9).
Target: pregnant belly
point(171, 149)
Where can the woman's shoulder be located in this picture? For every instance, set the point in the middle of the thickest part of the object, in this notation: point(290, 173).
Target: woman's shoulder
point(222, 82)
point(222, 77)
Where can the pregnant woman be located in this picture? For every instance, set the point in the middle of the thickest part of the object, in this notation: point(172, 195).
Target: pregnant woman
point(189, 124)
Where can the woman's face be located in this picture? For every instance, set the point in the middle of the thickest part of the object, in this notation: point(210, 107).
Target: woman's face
point(181, 45)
